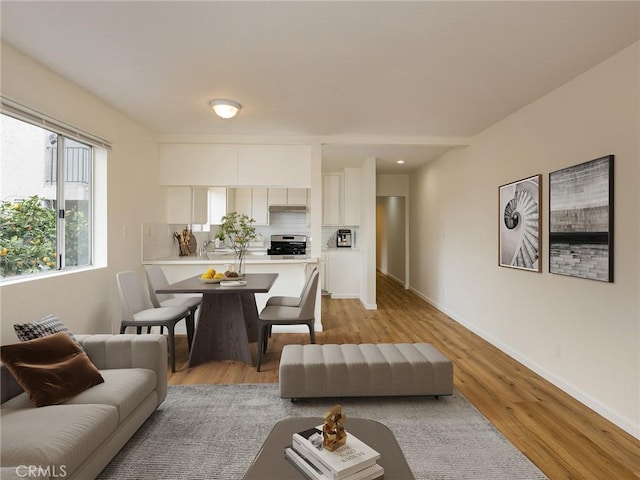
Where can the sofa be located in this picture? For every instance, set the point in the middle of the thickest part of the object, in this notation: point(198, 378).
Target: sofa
point(78, 438)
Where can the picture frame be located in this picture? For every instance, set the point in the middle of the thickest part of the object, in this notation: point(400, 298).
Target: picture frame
point(520, 223)
point(581, 220)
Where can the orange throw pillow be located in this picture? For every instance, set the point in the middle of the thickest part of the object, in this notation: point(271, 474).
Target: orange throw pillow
point(51, 369)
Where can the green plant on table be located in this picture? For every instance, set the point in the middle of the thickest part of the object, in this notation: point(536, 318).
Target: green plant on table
point(236, 231)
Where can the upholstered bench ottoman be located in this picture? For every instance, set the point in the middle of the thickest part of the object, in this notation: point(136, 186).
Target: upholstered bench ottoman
point(364, 370)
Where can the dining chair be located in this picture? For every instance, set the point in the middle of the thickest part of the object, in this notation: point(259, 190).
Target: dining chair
point(291, 301)
point(138, 311)
point(303, 314)
point(156, 280)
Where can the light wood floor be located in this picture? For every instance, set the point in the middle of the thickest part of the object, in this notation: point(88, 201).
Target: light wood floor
point(565, 439)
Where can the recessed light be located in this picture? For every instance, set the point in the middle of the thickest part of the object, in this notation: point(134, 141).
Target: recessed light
point(400, 162)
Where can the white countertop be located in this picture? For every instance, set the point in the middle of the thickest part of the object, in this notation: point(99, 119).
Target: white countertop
point(229, 259)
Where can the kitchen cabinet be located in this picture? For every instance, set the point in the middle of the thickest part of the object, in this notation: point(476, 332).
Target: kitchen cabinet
point(332, 199)
point(283, 165)
point(297, 196)
point(288, 196)
point(341, 198)
point(252, 202)
point(187, 205)
point(190, 164)
point(352, 196)
point(219, 204)
point(342, 273)
point(198, 164)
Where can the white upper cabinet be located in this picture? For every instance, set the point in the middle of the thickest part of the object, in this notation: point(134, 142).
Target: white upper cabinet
point(253, 203)
point(198, 164)
point(259, 206)
point(297, 196)
point(282, 165)
point(218, 203)
point(341, 197)
point(288, 196)
point(332, 199)
point(352, 196)
point(186, 205)
point(229, 165)
point(277, 196)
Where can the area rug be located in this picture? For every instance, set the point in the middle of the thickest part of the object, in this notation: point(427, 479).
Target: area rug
point(215, 432)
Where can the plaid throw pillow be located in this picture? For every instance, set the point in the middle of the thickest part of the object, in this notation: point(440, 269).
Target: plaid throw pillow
point(42, 328)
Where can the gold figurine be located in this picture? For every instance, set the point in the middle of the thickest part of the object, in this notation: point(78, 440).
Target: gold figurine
point(333, 433)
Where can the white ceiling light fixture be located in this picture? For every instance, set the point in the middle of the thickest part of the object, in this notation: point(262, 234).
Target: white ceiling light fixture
point(400, 162)
point(225, 108)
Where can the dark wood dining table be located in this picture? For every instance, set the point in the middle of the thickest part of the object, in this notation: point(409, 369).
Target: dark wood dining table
point(228, 320)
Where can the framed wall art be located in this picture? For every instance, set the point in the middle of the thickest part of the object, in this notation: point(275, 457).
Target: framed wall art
point(520, 221)
point(581, 220)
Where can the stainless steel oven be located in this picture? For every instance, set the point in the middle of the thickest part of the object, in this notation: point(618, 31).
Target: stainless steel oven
point(288, 245)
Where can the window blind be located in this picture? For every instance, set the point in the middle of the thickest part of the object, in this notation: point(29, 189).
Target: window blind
point(26, 114)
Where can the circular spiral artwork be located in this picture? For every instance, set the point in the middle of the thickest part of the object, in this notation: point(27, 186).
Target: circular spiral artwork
point(519, 231)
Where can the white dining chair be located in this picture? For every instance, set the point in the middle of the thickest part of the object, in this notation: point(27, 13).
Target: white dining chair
point(156, 280)
point(138, 311)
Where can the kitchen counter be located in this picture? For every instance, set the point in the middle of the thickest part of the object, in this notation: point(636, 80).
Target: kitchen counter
point(250, 259)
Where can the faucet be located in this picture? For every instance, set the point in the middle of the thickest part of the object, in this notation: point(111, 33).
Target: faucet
point(205, 247)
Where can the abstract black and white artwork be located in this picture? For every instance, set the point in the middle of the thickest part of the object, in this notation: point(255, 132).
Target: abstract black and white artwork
point(581, 220)
point(519, 219)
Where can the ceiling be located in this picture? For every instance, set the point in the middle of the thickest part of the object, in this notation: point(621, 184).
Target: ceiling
point(420, 71)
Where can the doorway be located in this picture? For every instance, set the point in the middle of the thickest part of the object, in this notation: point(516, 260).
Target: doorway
point(391, 238)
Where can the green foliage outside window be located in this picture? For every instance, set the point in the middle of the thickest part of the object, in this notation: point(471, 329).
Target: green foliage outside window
point(28, 237)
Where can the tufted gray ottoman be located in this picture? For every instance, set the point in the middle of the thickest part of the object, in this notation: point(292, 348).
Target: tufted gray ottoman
point(364, 370)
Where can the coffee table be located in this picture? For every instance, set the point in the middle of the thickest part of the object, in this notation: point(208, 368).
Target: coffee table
point(271, 464)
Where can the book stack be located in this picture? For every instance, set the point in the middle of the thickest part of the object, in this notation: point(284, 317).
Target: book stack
point(354, 460)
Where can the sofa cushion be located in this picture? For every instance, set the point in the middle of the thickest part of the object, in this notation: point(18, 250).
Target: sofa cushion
point(124, 389)
point(42, 328)
point(51, 369)
point(57, 435)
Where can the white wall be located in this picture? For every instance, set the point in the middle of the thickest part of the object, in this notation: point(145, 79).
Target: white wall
point(390, 236)
point(582, 335)
point(86, 301)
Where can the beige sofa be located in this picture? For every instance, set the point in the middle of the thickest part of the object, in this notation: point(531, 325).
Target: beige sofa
point(78, 438)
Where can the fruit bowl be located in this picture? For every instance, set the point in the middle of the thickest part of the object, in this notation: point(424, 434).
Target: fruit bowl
point(211, 280)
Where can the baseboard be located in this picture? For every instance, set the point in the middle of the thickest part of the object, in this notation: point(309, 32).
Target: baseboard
point(392, 277)
point(624, 423)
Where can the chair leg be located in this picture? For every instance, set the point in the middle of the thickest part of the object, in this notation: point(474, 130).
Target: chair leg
point(265, 341)
point(123, 329)
point(172, 348)
point(312, 333)
point(149, 329)
point(191, 322)
point(260, 345)
point(139, 330)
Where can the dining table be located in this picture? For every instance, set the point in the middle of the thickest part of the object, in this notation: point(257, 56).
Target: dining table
point(228, 320)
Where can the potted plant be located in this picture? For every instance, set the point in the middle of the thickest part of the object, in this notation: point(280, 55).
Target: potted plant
point(236, 231)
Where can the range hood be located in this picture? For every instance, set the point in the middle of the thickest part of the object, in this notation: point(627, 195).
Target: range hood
point(288, 208)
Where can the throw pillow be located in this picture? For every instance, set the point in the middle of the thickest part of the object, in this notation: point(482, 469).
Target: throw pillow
point(50, 369)
point(47, 326)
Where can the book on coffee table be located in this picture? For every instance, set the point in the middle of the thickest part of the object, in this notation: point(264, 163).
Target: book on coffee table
point(352, 457)
point(310, 471)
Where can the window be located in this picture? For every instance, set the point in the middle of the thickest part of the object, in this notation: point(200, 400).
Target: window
point(46, 199)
